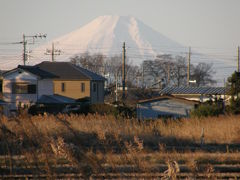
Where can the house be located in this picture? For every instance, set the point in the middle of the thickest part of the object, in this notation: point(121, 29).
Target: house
point(23, 86)
point(75, 82)
point(165, 107)
point(26, 85)
point(201, 94)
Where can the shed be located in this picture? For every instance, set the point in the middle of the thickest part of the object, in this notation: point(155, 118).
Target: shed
point(165, 106)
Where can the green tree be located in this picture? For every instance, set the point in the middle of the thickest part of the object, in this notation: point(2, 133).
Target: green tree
point(234, 91)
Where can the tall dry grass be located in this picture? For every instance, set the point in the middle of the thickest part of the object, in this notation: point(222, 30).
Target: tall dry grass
point(88, 142)
point(220, 130)
point(225, 129)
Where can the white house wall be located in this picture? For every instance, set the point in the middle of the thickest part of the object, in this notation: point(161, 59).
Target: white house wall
point(152, 110)
point(45, 87)
point(15, 99)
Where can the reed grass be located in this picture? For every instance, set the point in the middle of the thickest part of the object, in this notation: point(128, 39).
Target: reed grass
point(93, 141)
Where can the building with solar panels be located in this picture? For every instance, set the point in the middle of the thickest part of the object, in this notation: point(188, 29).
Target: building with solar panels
point(201, 94)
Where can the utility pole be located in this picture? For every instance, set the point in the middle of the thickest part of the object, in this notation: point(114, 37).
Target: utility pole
point(224, 96)
point(116, 98)
point(238, 68)
point(188, 67)
point(142, 75)
point(123, 69)
point(168, 74)
point(53, 52)
point(25, 42)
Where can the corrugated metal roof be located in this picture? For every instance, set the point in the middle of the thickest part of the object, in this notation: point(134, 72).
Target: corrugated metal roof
point(194, 90)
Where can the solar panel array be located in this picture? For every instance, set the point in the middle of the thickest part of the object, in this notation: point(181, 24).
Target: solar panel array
point(194, 90)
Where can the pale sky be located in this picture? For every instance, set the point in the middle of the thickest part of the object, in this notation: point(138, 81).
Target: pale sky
point(206, 25)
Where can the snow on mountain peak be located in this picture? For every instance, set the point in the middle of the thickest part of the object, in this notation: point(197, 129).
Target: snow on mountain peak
point(106, 34)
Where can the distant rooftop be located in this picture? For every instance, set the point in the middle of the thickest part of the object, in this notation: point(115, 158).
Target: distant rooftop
point(194, 90)
point(164, 97)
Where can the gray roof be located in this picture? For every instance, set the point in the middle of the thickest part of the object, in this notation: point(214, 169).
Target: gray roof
point(67, 70)
point(194, 90)
point(37, 71)
point(90, 74)
point(55, 99)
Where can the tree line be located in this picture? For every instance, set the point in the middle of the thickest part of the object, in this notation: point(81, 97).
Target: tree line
point(164, 70)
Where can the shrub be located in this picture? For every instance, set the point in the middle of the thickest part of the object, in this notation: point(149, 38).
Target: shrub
point(41, 109)
point(126, 111)
point(234, 107)
point(103, 109)
point(119, 110)
point(206, 110)
point(234, 91)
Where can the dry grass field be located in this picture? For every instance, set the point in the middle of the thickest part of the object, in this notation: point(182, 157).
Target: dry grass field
point(100, 147)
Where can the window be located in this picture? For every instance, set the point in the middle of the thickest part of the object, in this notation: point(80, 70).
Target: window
point(0, 85)
point(63, 87)
point(94, 87)
point(23, 88)
point(97, 93)
point(83, 87)
point(31, 89)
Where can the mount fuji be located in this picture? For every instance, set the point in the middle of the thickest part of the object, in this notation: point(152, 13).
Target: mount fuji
point(106, 35)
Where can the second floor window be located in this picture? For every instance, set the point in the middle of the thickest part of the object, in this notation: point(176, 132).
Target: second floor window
point(63, 87)
point(82, 87)
point(24, 88)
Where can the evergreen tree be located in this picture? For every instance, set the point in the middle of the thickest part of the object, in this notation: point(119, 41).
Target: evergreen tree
point(234, 86)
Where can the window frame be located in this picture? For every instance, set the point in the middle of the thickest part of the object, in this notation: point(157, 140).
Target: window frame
point(63, 87)
point(23, 88)
point(83, 87)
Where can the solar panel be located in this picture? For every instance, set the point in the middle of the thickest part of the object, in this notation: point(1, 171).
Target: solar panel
point(194, 90)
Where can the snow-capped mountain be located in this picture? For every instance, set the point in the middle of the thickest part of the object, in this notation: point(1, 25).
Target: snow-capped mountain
point(106, 35)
